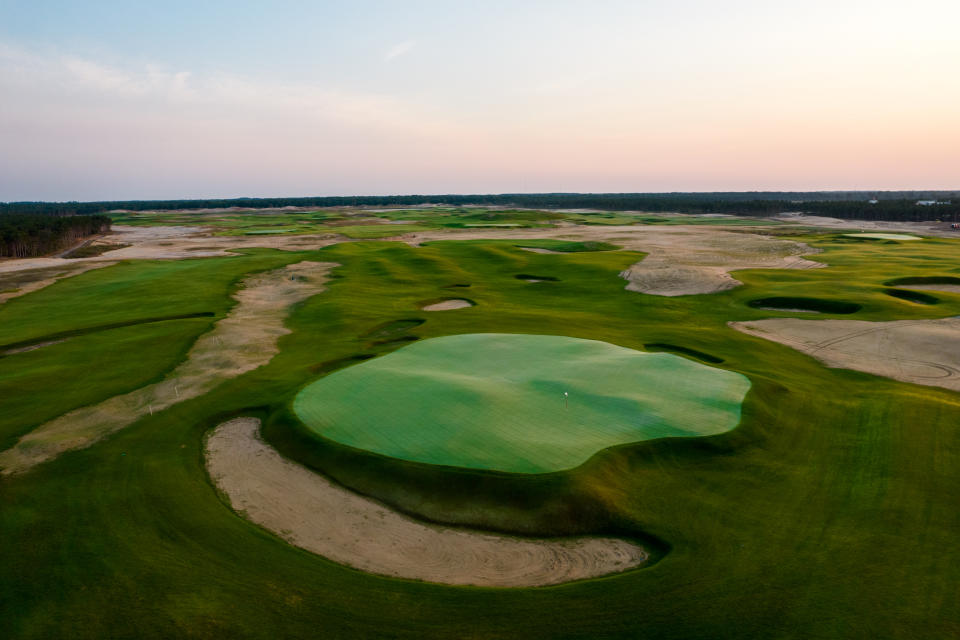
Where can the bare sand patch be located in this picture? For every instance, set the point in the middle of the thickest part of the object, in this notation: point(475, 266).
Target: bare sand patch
point(32, 347)
point(310, 512)
point(920, 351)
point(448, 305)
point(242, 341)
point(538, 250)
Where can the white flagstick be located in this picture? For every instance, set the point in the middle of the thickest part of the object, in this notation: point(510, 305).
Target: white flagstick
point(566, 400)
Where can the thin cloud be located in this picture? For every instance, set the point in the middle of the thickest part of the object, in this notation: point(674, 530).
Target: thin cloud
point(398, 50)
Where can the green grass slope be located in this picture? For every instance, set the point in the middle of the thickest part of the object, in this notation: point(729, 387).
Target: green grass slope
point(830, 512)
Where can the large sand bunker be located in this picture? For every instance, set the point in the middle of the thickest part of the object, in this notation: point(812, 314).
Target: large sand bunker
point(919, 351)
point(242, 341)
point(310, 512)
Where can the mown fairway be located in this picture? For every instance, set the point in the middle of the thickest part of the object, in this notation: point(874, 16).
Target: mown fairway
point(497, 401)
point(830, 512)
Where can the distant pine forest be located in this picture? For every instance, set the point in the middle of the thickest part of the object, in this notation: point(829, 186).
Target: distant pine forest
point(38, 234)
point(859, 205)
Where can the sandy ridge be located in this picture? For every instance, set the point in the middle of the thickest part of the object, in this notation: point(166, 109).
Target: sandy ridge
point(310, 512)
point(242, 341)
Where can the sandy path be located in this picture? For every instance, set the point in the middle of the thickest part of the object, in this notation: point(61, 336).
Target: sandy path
point(920, 351)
point(310, 512)
point(242, 341)
point(681, 260)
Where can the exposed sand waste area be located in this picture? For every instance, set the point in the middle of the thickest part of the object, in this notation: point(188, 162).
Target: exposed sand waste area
point(242, 341)
point(920, 351)
point(681, 260)
point(448, 305)
point(310, 512)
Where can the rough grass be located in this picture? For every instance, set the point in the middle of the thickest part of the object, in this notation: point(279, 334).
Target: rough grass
point(829, 513)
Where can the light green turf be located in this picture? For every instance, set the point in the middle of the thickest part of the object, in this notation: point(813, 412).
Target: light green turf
point(883, 236)
point(496, 401)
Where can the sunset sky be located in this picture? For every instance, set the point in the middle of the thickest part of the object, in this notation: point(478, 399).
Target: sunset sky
point(127, 99)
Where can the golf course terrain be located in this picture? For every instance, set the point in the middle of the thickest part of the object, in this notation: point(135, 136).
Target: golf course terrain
point(503, 402)
point(481, 422)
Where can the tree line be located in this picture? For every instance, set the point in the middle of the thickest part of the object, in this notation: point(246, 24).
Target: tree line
point(28, 235)
point(864, 205)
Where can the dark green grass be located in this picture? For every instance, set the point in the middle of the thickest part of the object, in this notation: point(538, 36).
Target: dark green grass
point(915, 297)
point(820, 305)
point(922, 280)
point(673, 348)
point(564, 246)
point(831, 512)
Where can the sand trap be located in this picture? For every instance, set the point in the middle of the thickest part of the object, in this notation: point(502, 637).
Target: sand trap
point(919, 351)
point(448, 305)
point(242, 341)
point(309, 511)
point(882, 236)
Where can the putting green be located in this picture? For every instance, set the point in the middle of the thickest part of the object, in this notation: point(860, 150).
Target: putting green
point(496, 401)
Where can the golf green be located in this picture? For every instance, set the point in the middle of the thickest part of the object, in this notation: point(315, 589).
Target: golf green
point(518, 403)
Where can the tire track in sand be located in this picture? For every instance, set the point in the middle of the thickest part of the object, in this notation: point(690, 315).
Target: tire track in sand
point(312, 513)
point(246, 338)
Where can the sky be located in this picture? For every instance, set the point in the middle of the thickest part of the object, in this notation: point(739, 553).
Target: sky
point(109, 100)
